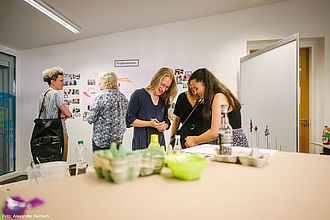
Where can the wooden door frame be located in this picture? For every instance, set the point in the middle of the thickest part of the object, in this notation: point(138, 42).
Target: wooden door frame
point(316, 64)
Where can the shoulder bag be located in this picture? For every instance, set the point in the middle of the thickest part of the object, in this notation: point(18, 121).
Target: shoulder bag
point(47, 141)
point(188, 128)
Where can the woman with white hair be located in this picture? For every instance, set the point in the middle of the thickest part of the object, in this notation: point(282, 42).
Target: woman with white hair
point(108, 113)
point(54, 103)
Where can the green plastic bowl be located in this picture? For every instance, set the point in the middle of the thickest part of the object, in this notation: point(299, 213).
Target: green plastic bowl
point(186, 166)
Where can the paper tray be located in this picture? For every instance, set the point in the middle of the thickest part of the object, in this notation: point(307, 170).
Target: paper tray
point(254, 158)
point(259, 161)
point(225, 158)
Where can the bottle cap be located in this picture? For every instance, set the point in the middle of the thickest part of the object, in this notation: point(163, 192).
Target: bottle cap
point(154, 138)
point(80, 142)
point(177, 136)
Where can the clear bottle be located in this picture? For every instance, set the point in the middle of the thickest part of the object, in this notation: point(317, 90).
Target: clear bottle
point(177, 145)
point(225, 133)
point(326, 135)
point(169, 149)
point(154, 141)
point(81, 158)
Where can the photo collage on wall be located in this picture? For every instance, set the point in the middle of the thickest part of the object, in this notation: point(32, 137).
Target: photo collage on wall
point(90, 90)
point(71, 94)
point(181, 78)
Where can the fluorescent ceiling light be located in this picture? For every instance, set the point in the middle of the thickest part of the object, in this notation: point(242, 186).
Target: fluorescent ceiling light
point(50, 12)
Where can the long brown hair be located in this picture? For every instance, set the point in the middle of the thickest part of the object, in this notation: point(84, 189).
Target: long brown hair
point(212, 87)
point(169, 95)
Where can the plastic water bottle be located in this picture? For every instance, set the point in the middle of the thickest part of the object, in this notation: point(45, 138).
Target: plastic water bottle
point(225, 133)
point(81, 158)
point(177, 145)
point(154, 141)
point(326, 135)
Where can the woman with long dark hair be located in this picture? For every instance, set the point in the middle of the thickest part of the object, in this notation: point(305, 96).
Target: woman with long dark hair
point(188, 113)
point(214, 94)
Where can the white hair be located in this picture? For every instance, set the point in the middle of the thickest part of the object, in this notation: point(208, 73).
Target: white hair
point(108, 80)
point(51, 74)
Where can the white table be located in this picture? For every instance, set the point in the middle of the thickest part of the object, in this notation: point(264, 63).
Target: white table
point(290, 186)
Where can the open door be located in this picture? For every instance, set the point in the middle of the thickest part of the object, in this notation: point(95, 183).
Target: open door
point(269, 95)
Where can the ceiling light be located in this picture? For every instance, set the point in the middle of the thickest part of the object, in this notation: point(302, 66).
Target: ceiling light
point(50, 12)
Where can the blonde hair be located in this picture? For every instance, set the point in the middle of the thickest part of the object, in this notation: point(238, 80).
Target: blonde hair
point(169, 95)
point(52, 74)
point(108, 80)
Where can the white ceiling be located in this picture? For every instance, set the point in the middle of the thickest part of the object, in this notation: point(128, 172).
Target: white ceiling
point(23, 27)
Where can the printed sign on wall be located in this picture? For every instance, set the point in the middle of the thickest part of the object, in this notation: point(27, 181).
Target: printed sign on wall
point(127, 63)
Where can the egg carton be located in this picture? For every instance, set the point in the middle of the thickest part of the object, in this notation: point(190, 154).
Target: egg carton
point(128, 168)
point(254, 158)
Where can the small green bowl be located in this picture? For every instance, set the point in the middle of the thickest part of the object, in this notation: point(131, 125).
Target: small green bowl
point(186, 166)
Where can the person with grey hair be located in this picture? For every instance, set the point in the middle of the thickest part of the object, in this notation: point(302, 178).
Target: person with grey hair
point(54, 103)
point(107, 114)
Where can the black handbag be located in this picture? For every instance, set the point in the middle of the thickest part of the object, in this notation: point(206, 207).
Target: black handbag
point(47, 141)
point(188, 128)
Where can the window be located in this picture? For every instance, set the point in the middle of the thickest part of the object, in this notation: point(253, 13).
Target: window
point(7, 113)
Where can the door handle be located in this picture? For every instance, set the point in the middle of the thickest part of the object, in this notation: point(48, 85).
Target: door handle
point(305, 121)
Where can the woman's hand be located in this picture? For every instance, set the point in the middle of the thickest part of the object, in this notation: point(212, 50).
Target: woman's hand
point(63, 116)
point(160, 126)
point(154, 122)
point(191, 141)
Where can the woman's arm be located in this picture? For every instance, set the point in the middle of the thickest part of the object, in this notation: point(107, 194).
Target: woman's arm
point(65, 110)
point(93, 113)
point(133, 109)
point(212, 133)
point(180, 103)
point(175, 124)
point(167, 122)
point(142, 123)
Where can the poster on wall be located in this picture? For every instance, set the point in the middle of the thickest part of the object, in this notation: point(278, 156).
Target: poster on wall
point(90, 89)
point(71, 93)
point(80, 90)
point(181, 78)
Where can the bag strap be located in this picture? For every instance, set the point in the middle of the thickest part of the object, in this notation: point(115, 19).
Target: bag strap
point(197, 103)
point(42, 108)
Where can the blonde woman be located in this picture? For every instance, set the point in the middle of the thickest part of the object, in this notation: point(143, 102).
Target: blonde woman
point(148, 109)
point(107, 114)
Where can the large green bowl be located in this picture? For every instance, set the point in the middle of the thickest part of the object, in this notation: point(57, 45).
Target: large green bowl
point(186, 166)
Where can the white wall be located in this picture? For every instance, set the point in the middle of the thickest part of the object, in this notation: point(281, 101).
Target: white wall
point(216, 42)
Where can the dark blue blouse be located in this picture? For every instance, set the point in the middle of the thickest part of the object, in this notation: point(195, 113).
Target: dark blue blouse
point(141, 107)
